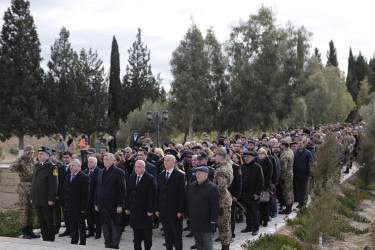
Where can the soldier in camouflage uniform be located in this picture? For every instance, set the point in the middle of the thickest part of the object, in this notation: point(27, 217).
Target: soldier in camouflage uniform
point(223, 179)
point(286, 175)
point(24, 168)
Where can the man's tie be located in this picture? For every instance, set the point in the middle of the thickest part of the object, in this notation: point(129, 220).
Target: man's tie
point(167, 176)
point(90, 172)
point(138, 179)
point(66, 168)
point(72, 177)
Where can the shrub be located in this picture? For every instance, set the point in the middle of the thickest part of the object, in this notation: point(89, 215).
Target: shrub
point(10, 224)
point(274, 241)
point(13, 151)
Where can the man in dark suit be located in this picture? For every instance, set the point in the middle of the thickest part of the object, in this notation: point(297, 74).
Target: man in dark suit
point(151, 169)
point(139, 204)
point(170, 199)
point(60, 203)
point(93, 221)
point(77, 189)
point(134, 140)
point(109, 200)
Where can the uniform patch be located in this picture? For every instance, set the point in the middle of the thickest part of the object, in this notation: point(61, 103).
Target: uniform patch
point(55, 172)
point(239, 172)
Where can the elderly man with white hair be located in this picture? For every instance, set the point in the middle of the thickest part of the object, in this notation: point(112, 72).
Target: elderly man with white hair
point(170, 201)
point(92, 216)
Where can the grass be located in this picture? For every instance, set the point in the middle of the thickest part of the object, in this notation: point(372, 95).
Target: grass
point(274, 241)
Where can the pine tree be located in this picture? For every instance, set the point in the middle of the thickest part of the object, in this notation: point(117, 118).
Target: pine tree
point(21, 111)
point(332, 55)
point(371, 73)
point(190, 88)
point(318, 54)
point(139, 82)
point(61, 77)
point(115, 86)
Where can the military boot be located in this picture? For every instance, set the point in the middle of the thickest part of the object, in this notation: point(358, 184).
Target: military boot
point(25, 233)
point(225, 247)
point(287, 210)
point(32, 234)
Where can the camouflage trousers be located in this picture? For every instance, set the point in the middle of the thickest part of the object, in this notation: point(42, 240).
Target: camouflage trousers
point(287, 189)
point(223, 224)
point(27, 211)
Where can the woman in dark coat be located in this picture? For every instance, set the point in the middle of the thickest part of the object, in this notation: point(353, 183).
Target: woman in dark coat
point(267, 168)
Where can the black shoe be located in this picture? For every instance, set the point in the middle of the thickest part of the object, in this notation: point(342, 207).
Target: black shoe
point(89, 235)
point(233, 236)
point(265, 224)
point(32, 234)
point(194, 246)
point(57, 229)
point(97, 236)
point(156, 225)
point(190, 235)
point(66, 233)
point(186, 228)
point(240, 218)
point(246, 230)
point(165, 244)
point(346, 171)
point(287, 210)
point(26, 234)
point(255, 232)
point(225, 247)
point(217, 239)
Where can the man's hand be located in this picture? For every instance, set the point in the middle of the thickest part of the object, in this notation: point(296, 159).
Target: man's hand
point(179, 215)
point(119, 210)
point(31, 201)
point(83, 212)
point(50, 203)
point(256, 197)
point(96, 208)
point(234, 198)
point(57, 198)
point(213, 222)
point(127, 212)
point(149, 214)
point(157, 213)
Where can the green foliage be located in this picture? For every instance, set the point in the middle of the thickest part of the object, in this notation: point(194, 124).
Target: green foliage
point(115, 87)
point(139, 83)
point(363, 94)
point(274, 241)
point(332, 55)
point(137, 119)
point(13, 151)
point(21, 108)
point(10, 225)
point(371, 73)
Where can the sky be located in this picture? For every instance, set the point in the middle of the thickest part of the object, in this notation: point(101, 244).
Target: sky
point(93, 23)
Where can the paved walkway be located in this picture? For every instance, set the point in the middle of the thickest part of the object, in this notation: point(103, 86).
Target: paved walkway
point(158, 240)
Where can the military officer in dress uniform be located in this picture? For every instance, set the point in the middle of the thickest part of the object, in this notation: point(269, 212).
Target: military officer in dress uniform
point(24, 168)
point(223, 179)
point(43, 191)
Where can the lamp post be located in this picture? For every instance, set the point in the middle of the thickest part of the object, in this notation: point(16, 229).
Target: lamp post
point(337, 116)
point(157, 121)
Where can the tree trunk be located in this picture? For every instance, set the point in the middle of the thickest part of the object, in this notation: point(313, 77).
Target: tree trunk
point(185, 136)
point(20, 145)
point(191, 120)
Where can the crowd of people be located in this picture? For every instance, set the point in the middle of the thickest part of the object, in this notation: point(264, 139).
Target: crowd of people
point(208, 183)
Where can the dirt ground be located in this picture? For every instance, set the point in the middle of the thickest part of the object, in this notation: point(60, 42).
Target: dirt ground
point(13, 144)
point(351, 240)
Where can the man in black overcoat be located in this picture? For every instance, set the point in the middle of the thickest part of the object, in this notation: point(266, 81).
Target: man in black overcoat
point(92, 216)
point(170, 199)
point(77, 189)
point(140, 203)
point(110, 199)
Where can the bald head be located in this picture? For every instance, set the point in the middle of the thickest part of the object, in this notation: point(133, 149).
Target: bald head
point(139, 167)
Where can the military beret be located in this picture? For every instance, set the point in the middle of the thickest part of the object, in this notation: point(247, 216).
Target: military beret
point(91, 151)
point(201, 168)
point(202, 155)
point(196, 147)
point(252, 153)
point(45, 149)
point(285, 142)
point(189, 154)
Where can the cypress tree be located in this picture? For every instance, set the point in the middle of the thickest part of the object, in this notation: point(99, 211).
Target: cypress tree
point(22, 112)
point(114, 85)
point(332, 55)
point(371, 73)
point(351, 81)
point(317, 54)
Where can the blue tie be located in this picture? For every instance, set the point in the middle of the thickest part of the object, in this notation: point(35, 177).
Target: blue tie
point(167, 176)
point(72, 177)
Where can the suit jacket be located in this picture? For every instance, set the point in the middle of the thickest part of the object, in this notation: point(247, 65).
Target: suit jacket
point(94, 180)
point(151, 169)
point(140, 200)
point(76, 194)
point(61, 177)
point(134, 143)
point(170, 197)
point(110, 194)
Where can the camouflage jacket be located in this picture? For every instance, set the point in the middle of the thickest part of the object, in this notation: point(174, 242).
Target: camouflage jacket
point(223, 179)
point(24, 169)
point(286, 164)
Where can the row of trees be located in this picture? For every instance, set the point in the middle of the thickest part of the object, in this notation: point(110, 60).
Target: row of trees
point(75, 94)
point(263, 76)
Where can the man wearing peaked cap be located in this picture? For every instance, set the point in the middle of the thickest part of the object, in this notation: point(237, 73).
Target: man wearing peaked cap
point(44, 191)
